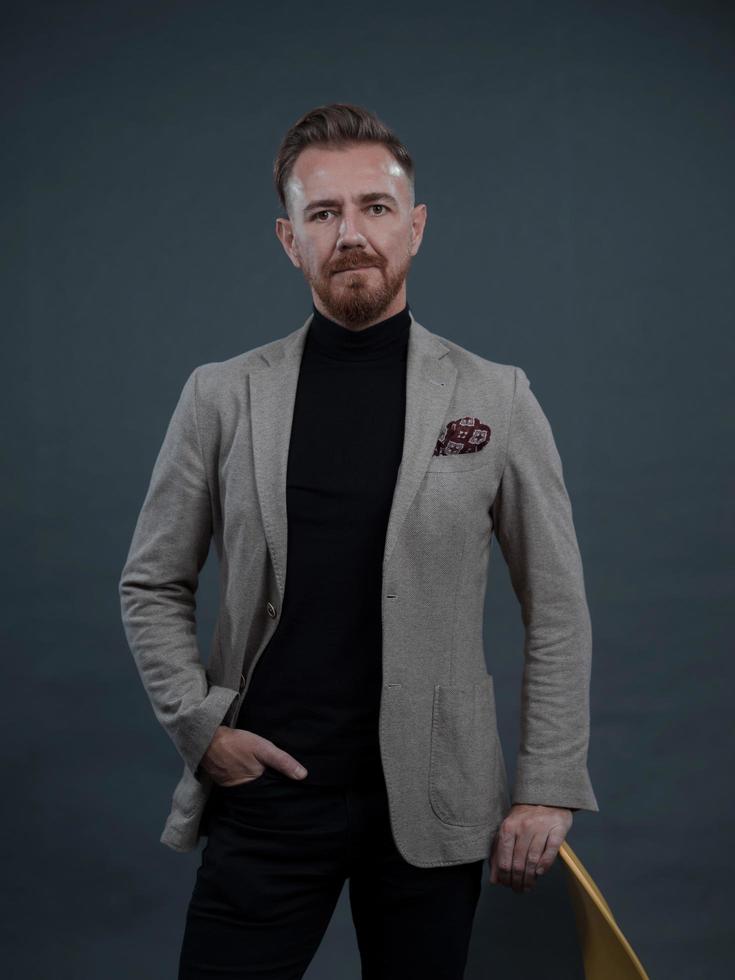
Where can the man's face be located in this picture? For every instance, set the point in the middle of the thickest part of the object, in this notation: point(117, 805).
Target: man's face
point(354, 250)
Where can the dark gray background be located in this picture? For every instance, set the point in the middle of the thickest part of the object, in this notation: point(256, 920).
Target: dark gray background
point(576, 159)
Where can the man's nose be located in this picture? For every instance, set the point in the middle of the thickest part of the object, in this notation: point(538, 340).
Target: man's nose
point(350, 229)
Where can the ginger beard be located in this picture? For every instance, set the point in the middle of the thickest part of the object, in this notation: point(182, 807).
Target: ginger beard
point(354, 295)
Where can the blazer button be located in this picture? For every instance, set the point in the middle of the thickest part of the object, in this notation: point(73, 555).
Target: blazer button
point(271, 610)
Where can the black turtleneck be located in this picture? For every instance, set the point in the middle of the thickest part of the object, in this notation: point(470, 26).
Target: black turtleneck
point(315, 690)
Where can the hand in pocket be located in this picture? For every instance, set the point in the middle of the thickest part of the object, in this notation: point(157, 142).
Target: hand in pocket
point(236, 757)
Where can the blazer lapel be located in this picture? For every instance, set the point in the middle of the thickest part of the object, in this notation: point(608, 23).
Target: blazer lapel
point(430, 381)
point(272, 398)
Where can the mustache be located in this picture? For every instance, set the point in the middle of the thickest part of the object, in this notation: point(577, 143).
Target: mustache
point(353, 265)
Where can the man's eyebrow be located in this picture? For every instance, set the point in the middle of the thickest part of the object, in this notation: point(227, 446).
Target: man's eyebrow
point(370, 197)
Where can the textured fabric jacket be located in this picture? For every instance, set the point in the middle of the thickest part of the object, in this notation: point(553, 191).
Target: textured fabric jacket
point(221, 475)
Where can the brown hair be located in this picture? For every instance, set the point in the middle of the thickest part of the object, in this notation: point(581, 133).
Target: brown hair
point(338, 125)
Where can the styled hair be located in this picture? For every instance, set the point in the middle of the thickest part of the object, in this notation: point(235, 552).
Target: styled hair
point(339, 125)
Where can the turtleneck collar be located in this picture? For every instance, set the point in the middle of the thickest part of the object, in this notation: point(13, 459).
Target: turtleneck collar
point(387, 338)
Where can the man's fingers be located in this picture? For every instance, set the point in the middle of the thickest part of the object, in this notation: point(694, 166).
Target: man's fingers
point(505, 846)
point(532, 859)
point(518, 865)
point(279, 759)
point(523, 848)
point(553, 843)
point(526, 844)
point(493, 860)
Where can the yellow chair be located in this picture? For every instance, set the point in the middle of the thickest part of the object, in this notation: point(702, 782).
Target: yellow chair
point(606, 953)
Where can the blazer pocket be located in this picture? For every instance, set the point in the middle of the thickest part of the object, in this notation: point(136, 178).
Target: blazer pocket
point(463, 763)
point(459, 462)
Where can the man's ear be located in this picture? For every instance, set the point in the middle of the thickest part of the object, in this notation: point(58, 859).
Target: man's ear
point(284, 232)
point(418, 223)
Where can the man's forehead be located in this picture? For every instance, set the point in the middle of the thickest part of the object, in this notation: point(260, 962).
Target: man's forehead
point(319, 172)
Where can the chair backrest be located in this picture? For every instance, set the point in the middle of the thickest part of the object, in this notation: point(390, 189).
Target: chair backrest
point(606, 953)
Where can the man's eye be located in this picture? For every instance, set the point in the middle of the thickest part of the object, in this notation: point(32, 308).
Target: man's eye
point(316, 214)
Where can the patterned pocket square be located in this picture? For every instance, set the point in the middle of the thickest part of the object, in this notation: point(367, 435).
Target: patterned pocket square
point(465, 435)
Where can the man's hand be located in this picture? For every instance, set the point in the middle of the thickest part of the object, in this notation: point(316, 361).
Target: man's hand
point(237, 756)
point(527, 843)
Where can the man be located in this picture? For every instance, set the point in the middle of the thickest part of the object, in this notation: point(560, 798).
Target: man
point(345, 727)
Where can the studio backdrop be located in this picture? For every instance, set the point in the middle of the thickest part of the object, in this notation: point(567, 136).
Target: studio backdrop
point(576, 160)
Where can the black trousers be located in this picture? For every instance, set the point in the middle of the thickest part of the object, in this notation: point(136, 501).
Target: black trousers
point(277, 856)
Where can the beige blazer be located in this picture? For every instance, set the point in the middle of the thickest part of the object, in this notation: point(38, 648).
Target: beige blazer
point(221, 475)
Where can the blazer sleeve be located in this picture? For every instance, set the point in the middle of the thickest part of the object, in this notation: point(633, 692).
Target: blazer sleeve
point(158, 586)
point(532, 519)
